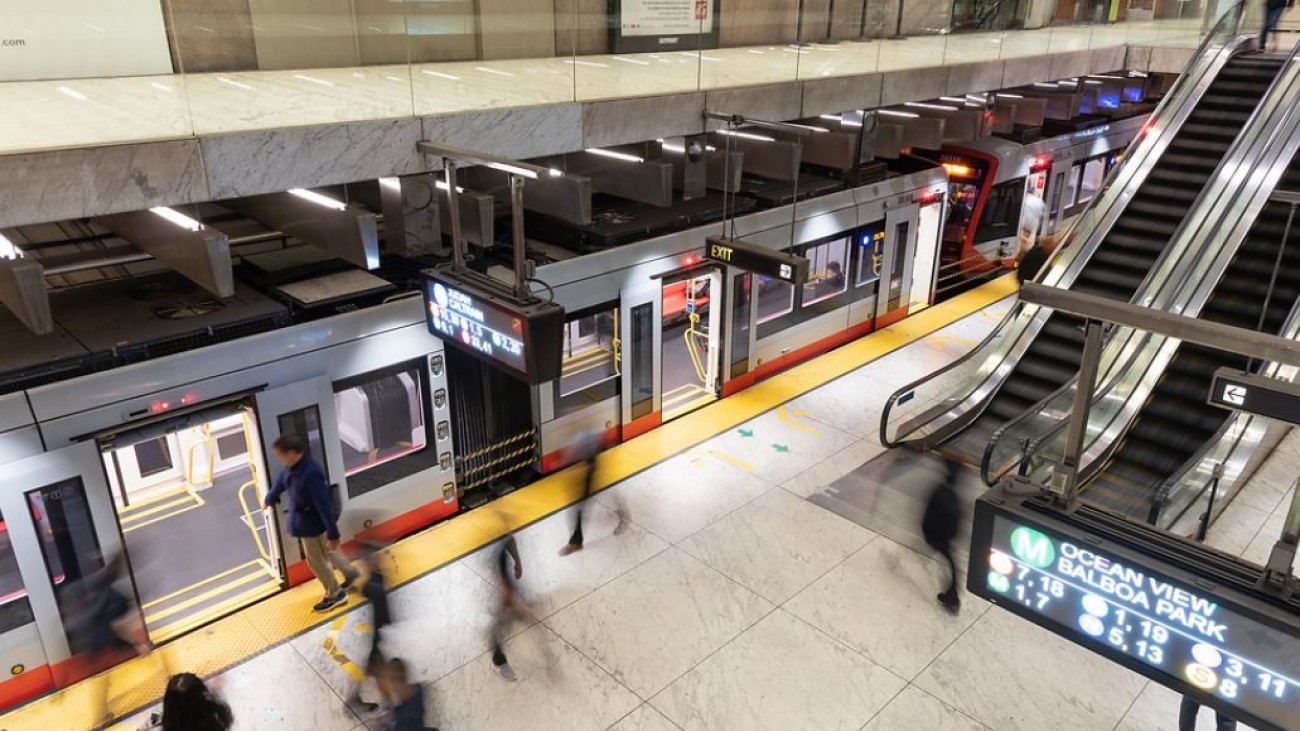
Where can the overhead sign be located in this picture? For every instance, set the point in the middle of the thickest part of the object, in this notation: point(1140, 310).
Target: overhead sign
point(1254, 394)
point(757, 259)
point(1235, 651)
point(524, 340)
point(74, 39)
point(665, 25)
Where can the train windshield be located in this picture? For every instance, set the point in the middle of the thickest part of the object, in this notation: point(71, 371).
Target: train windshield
point(965, 179)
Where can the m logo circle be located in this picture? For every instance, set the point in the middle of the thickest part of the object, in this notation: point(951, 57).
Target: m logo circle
point(1033, 547)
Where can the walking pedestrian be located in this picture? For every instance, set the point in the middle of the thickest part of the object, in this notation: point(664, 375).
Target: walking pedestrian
point(312, 518)
point(375, 590)
point(588, 450)
point(190, 705)
point(939, 525)
point(510, 606)
point(1273, 12)
point(405, 699)
point(1188, 711)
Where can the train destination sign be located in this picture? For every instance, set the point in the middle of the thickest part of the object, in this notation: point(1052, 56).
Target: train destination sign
point(1238, 653)
point(1255, 394)
point(523, 339)
point(757, 259)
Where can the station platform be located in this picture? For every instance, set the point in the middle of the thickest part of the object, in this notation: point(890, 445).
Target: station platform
point(769, 577)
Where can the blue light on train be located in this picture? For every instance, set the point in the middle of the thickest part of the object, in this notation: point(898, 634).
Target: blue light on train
point(1108, 101)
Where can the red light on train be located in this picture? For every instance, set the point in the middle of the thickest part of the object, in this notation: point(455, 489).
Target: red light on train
point(1041, 162)
point(157, 407)
point(189, 398)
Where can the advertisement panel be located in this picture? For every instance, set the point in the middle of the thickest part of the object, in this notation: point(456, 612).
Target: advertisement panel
point(664, 25)
point(71, 39)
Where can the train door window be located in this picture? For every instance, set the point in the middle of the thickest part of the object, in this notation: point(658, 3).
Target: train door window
point(1001, 216)
point(925, 260)
point(642, 349)
point(692, 336)
point(198, 544)
point(383, 425)
point(826, 271)
point(305, 423)
point(871, 241)
point(1094, 172)
point(740, 319)
point(590, 367)
point(69, 545)
point(900, 261)
point(775, 298)
point(15, 609)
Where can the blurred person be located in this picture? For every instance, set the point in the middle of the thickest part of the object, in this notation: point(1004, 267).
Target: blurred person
point(939, 525)
point(1188, 711)
point(1273, 12)
point(375, 590)
point(312, 518)
point(189, 704)
point(588, 450)
point(1031, 262)
point(405, 700)
point(511, 605)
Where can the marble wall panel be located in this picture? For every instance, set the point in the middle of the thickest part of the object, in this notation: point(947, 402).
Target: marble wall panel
point(1027, 70)
point(518, 133)
point(1170, 60)
point(971, 77)
point(1138, 58)
point(264, 162)
point(914, 85)
point(1108, 59)
point(51, 186)
point(635, 120)
point(830, 96)
point(1072, 63)
point(774, 102)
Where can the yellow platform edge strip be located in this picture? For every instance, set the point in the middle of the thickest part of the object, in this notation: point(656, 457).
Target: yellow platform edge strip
point(262, 626)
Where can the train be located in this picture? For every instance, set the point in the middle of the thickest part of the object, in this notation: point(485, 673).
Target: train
point(141, 426)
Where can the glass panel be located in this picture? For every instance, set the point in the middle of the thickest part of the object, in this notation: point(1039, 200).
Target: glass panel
point(775, 298)
point(1094, 171)
point(642, 349)
point(305, 422)
point(899, 245)
point(153, 457)
point(1002, 211)
point(67, 534)
point(15, 609)
point(871, 243)
point(826, 276)
point(740, 286)
point(383, 418)
point(590, 366)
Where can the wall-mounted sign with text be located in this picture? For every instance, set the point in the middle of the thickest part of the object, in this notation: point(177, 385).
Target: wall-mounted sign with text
point(663, 25)
point(72, 39)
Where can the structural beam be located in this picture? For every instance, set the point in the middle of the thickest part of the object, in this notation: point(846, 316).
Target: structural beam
point(1202, 332)
point(198, 253)
point(22, 290)
point(342, 230)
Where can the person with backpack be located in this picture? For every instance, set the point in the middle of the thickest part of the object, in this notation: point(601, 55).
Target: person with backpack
point(312, 518)
point(939, 525)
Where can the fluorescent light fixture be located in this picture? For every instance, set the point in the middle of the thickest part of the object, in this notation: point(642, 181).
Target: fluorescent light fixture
point(313, 79)
point(236, 84)
point(808, 126)
point(318, 199)
point(680, 150)
point(592, 64)
point(829, 117)
point(392, 184)
point(555, 172)
point(893, 113)
point(72, 93)
point(8, 249)
point(1009, 96)
point(953, 99)
point(176, 217)
point(923, 105)
point(747, 136)
point(1046, 85)
point(440, 75)
point(487, 70)
point(636, 61)
point(513, 170)
point(1105, 76)
point(1138, 74)
point(1097, 82)
point(615, 155)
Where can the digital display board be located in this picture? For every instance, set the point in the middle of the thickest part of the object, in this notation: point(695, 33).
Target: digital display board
point(524, 340)
point(1243, 660)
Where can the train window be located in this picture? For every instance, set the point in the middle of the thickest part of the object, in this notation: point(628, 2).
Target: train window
point(775, 298)
point(896, 269)
point(871, 243)
point(1001, 216)
point(153, 456)
point(826, 270)
point(642, 360)
point(304, 422)
point(1094, 172)
point(68, 541)
point(589, 370)
point(383, 418)
point(740, 324)
point(15, 609)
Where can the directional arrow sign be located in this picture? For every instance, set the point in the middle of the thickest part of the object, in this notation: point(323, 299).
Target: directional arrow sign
point(746, 433)
point(781, 448)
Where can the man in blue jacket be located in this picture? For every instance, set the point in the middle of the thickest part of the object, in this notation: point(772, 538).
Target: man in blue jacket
point(311, 518)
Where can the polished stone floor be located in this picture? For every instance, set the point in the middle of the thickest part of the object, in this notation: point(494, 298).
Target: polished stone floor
point(730, 602)
point(45, 115)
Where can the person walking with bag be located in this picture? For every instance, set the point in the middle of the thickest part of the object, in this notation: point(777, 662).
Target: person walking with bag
point(312, 518)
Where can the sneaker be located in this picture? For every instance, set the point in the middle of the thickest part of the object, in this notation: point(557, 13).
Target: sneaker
point(350, 579)
point(506, 672)
point(363, 706)
point(952, 604)
point(329, 602)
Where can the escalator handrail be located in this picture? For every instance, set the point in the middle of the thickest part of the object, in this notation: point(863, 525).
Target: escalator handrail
point(1247, 148)
point(1122, 184)
point(1279, 124)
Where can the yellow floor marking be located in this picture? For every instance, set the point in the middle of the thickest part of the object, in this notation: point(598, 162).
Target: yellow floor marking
point(168, 597)
point(336, 653)
point(723, 456)
point(136, 513)
point(217, 591)
point(162, 495)
point(787, 417)
point(251, 631)
point(180, 627)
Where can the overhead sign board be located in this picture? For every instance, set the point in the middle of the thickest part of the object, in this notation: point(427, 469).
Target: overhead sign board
point(74, 39)
point(523, 340)
point(757, 259)
point(1134, 601)
point(1255, 394)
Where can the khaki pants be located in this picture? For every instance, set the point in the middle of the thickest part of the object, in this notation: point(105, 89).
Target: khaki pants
point(323, 561)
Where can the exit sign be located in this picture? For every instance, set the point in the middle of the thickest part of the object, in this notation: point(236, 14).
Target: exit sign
point(757, 259)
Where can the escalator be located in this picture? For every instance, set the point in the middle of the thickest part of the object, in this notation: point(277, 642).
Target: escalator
point(1132, 246)
point(1175, 421)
